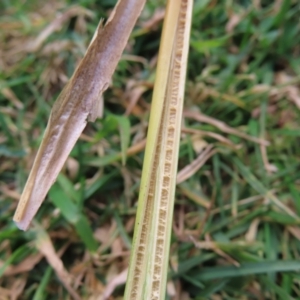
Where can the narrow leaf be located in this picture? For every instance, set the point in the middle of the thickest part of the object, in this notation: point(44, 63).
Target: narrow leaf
point(72, 213)
point(124, 127)
point(247, 269)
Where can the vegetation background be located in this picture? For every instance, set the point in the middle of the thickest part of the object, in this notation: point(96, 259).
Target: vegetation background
point(236, 221)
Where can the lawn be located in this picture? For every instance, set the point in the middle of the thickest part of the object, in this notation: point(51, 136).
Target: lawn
point(237, 208)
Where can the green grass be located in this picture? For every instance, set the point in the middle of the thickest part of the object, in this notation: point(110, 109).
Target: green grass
point(247, 77)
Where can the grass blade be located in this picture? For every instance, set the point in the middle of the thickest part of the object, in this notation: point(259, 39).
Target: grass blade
point(248, 269)
point(72, 213)
point(40, 292)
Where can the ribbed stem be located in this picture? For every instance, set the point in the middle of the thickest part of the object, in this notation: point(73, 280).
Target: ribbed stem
point(149, 261)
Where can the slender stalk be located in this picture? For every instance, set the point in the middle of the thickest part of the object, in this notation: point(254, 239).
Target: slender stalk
point(149, 259)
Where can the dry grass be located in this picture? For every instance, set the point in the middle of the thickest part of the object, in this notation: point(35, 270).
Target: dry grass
point(239, 209)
